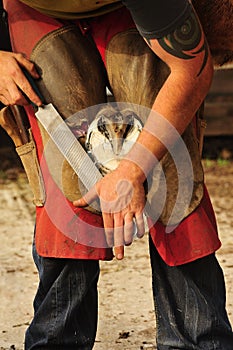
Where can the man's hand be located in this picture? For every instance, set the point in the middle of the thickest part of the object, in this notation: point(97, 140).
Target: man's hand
point(13, 82)
point(122, 200)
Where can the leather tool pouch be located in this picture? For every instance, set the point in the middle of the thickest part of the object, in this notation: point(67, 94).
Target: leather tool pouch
point(27, 153)
point(28, 156)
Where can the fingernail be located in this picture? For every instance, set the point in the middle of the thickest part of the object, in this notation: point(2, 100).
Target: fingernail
point(119, 256)
point(139, 235)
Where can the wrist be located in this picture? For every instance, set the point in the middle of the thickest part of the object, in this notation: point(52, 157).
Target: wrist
point(132, 169)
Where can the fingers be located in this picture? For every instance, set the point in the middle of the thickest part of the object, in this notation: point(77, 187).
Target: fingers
point(5, 97)
point(14, 86)
point(120, 231)
point(27, 90)
point(109, 229)
point(21, 86)
point(129, 228)
point(140, 225)
point(123, 234)
point(119, 252)
point(115, 230)
point(14, 95)
point(28, 65)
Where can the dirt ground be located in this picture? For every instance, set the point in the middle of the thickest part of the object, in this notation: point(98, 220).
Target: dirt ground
point(126, 316)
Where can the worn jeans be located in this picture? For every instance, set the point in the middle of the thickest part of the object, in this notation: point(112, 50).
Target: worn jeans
point(65, 306)
point(189, 304)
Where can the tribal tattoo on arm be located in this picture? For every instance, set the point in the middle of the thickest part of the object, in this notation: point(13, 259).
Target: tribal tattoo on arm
point(184, 41)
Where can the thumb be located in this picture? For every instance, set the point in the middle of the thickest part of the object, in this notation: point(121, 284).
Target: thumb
point(87, 199)
point(80, 202)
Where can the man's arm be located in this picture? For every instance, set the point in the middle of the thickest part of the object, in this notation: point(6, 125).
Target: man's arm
point(186, 52)
point(121, 192)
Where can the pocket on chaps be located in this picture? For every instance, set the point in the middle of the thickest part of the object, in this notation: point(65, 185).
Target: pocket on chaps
point(28, 156)
point(27, 153)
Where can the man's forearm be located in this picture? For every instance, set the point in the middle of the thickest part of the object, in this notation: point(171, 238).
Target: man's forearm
point(178, 99)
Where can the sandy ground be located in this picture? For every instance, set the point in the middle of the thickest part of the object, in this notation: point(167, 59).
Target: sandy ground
point(126, 317)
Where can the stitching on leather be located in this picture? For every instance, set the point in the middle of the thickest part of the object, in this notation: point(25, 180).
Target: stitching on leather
point(50, 35)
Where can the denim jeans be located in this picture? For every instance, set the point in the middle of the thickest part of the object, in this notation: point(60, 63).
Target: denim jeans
point(65, 306)
point(190, 305)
